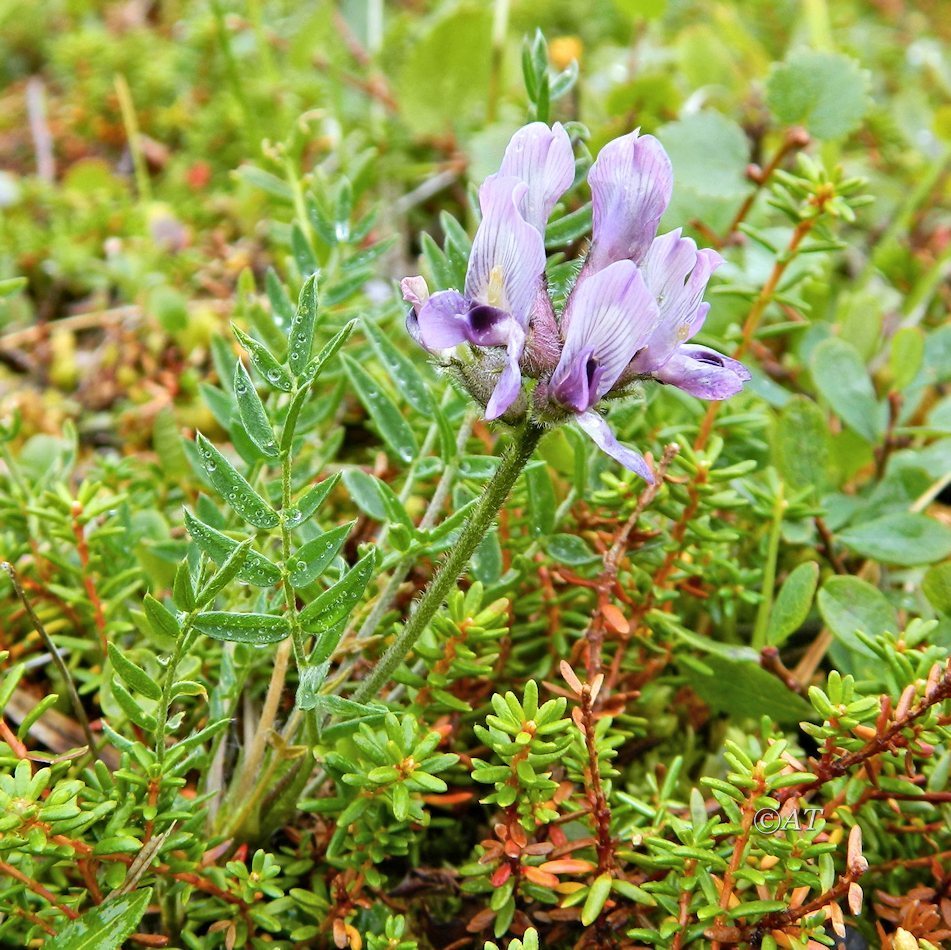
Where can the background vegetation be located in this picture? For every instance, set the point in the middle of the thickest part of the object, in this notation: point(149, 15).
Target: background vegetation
point(575, 753)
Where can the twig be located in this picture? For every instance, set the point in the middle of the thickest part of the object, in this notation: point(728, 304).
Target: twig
point(55, 654)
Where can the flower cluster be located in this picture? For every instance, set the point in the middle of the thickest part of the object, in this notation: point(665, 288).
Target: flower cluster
point(637, 300)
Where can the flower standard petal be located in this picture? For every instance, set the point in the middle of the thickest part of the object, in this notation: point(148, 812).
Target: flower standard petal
point(703, 372)
point(608, 318)
point(541, 157)
point(631, 183)
point(596, 426)
point(508, 254)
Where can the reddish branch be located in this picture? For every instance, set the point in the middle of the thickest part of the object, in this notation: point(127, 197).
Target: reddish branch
point(829, 768)
point(82, 548)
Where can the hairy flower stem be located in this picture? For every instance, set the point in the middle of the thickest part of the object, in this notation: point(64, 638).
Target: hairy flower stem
point(493, 498)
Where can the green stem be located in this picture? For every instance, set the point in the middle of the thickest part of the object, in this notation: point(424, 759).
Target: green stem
point(493, 498)
point(290, 599)
point(165, 704)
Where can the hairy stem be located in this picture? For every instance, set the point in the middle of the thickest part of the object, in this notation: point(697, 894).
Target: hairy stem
point(493, 497)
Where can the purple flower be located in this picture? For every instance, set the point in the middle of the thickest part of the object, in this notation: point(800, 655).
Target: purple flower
point(637, 300)
point(607, 319)
point(504, 281)
point(631, 184)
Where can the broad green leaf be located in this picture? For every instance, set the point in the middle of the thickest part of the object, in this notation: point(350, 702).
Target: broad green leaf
point(434, 99)
point(825, 92)
point(394, 429)
point(905, 538)
point(487, 559)
point(333, 606)
point(363, 489)
point(265, 362)
point(752, 692)
point(243, 628)
point(792, 603)
point(906, 356)
point(163, 621)
point(401, 368)
point(234, 488)
point(256, 569)
point(842, 379)
point(570, 549)
point(105, 926)
point(134, 675)
point(849, 604)
point(937, 587)
point(313, 558)
point(710, 154)
point(301, 338)
point(541, 499)
point(801, 445)
point(252, 412)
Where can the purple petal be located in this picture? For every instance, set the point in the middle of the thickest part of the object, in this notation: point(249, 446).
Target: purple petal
point(508, 254)
point(577, 385)
point(603, 436)
point(677, 275)
point(631, 184)
point(509, 386)
point(607, 319)
point(703, 373)
point(443, 320)
point(541, 157)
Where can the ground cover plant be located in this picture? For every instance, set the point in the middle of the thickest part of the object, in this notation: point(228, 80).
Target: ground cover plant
point(475, 475)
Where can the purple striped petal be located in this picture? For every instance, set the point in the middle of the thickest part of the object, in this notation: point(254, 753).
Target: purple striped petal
point(508, 254)
point(541, 157)
point(607, 319)
point(603, 436)
point(631, 184)
point(703, 373)
point(677, 275)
